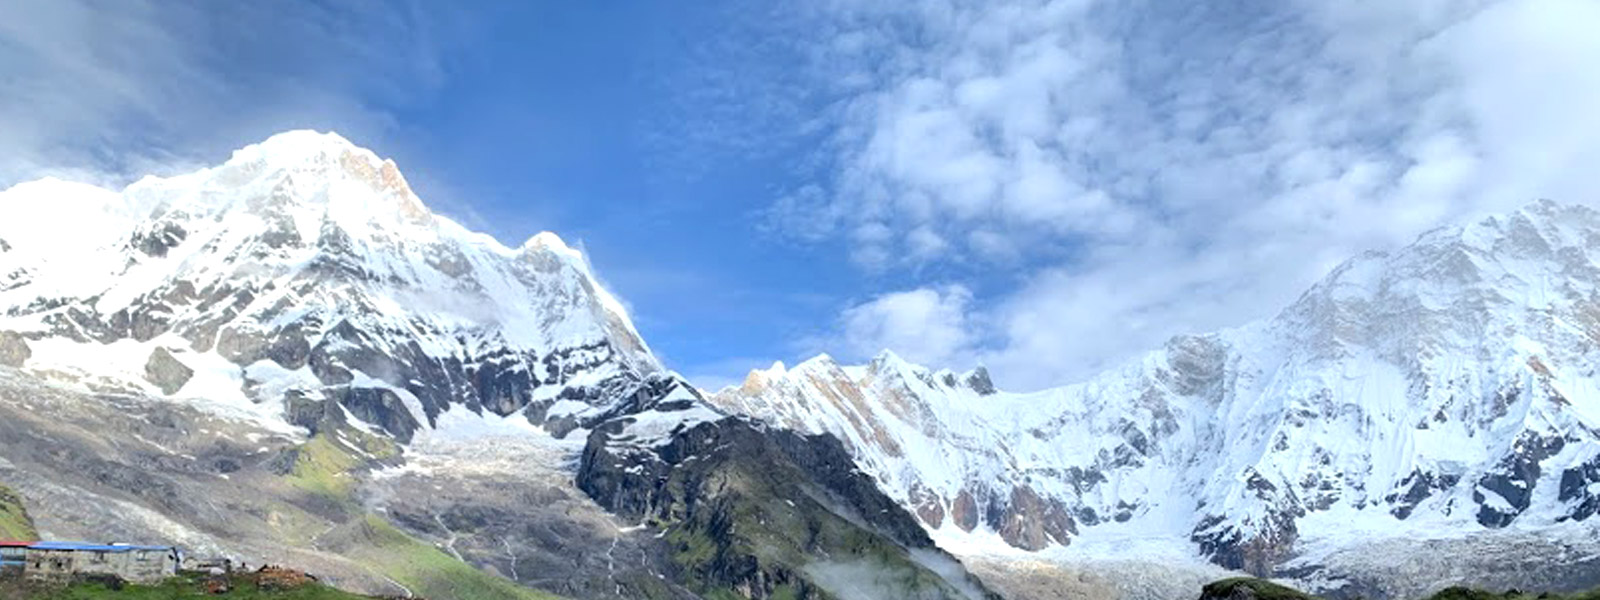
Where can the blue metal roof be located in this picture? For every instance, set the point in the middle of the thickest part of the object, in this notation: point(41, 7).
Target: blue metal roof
point(86, 547)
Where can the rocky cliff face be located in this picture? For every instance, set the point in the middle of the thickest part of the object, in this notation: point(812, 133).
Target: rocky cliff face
point(1446, 388)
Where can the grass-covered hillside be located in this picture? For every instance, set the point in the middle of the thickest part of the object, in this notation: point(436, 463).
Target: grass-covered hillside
point(14, 522)
point(1245, 588)
point(241, 587)
point(324, 472)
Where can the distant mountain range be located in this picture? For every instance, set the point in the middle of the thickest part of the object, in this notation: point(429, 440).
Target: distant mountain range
point(289, 357)
point(1445, 390)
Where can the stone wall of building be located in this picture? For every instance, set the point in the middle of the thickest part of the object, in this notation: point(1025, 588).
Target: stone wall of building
point(139, 565)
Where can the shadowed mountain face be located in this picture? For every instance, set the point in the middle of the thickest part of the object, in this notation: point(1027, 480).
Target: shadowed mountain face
point(1443, 392)
point(287, 358)
point(768, 512)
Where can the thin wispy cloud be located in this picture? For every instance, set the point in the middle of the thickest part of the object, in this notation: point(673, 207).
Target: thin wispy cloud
point(107, 91)
point(1152, 168)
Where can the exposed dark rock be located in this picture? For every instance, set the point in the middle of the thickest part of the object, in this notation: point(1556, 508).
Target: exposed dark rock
point(1083, 480)
point(964, 512)
point(244, 344)
point(1124, 512)
point(1514, 478)
point(166, 372)
point(1087, 516)
point(14, 350)
point(158, 239)
point(1576, 484)
point(723, 488)
point(1033, 523)
point(504, 381)
point(636, 395)
point(1415, 488)
point(312, 414)
point(979, 381)
point(379, 406)
point(1255, 547)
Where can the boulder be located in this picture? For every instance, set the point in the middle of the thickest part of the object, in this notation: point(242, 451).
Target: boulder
point(14, 350)
point(165, 371)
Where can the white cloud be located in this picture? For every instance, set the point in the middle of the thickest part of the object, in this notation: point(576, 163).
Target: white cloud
point(105, 91)
point(927, 325)
point(1146, 168)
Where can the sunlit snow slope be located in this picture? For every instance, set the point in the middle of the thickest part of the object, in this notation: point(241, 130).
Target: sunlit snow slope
point(1442, 389)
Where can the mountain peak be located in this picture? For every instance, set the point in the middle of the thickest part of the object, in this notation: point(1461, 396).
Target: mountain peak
point(550, 242)
point(887, 359)
point(299, 144)
point(306, 158)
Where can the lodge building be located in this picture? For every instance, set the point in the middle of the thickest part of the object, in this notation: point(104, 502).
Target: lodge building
point(62, 561)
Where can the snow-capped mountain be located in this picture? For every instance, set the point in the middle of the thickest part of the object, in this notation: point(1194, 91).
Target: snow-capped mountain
point(1447, 388)
point(375, 383)
point(1441, 391)
point(300, 271)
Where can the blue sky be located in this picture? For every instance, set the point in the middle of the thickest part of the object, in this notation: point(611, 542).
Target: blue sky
point(1045, 187)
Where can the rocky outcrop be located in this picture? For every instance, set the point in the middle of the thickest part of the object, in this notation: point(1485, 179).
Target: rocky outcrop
point(14, 350)
point(1034, 523)
point(964, 511)
point(1417, 487)
point(1254, 548)
point(381, 407)
point(166, 372)
point(1250, 589)
point(1513, 480)
point(766, 513)
point(1580, 489)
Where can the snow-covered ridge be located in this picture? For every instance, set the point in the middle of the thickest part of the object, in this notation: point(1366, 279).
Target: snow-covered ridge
point(304, 270)
point(1444, 389)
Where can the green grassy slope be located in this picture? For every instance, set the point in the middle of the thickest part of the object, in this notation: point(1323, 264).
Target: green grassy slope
point(14, 522)
point(1257, 588)
point(425, 570)
point(177, 588)
point(326, 467)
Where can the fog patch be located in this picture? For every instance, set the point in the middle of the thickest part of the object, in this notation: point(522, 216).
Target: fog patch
point(950, 570)
point(874, 580)
point(867, 580)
